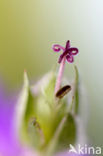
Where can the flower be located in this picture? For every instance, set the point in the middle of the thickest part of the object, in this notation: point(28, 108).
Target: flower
point(9, 145)
point(39, 123)
point(68, 52)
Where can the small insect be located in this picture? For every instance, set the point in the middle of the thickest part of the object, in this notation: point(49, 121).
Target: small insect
point(34, 122)
point(63, 91)
point(37, 128)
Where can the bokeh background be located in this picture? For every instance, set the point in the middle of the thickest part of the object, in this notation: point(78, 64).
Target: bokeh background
point(28, 28)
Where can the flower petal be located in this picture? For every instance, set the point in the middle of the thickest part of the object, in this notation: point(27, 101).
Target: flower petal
point(9, 145)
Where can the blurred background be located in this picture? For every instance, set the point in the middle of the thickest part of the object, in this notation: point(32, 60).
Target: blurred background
point(28, 28)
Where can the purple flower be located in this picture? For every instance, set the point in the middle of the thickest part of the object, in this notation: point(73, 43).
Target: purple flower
point(13, 113)
point(68, 52)
point(9, 145)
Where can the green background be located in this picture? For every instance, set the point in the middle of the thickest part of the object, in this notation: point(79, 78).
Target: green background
point(28, 28)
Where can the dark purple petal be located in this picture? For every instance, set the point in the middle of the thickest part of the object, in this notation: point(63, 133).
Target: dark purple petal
point(70, 58)
point(67, 45)
point(57, 48)
point(73, 51)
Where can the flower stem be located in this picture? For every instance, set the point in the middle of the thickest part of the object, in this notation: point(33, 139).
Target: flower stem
point(60, 75)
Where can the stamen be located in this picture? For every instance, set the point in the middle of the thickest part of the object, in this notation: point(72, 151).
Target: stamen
point(68, 53)
point(63, 91)
point(60, 74)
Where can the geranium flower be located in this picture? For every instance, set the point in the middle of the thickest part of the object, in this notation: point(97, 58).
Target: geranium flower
point(38, 122)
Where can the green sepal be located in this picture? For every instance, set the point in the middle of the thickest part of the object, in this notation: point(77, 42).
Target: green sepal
point(46, 108)
point(48, 113)
point(67, 135)
point(48, 90)
point(65, 132)
point(25, 110)
point(76, 93)
point(49, 110)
